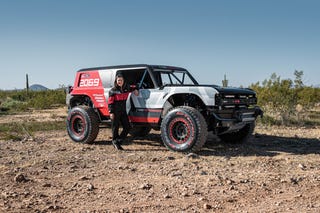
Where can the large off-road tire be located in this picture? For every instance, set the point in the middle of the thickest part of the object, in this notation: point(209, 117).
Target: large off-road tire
point(82, 124)
point(184, 129)
point(139, 131)
point(240, 136)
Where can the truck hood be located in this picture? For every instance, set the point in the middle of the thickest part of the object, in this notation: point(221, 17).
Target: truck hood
point(231, 90)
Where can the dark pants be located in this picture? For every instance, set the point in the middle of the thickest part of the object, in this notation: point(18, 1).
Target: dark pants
point(120, 118)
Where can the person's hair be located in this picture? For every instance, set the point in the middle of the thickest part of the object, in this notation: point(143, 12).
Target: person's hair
point(119, 75)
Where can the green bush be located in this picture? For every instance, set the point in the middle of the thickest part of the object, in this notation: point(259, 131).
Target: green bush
point(286, 101)
point(21, 100)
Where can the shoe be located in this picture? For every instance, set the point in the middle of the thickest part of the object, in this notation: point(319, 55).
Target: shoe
point(117, 145)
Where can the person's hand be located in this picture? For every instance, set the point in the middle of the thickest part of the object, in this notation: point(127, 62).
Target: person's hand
point(111, 116)
point(136, 92)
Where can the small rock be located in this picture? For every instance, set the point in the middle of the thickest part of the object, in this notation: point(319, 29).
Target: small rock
point(74, 185)
point(5, 195)
point(166, 196)
point(244, 181)
point(184, 194)
point(203, 173)
point(196, 192)
point(170, 158)
point(231, 200)
point(154, 159)
point(283, 181)
point(41, 195)
point(231, 188)
point(207, 206)
point(278, 203)
point(146, 186)
point(20, 178)
point(301, 166)
point(52, 207)
point(90, 187)
point(124, 211)
point(133, 169)
point(192, 155)
point(294, 180)
point(165, 189)
point(230, 182)
point(31, 139)
point(176, 174)
point(202, 199)
point(84, 178)
point(46, 185)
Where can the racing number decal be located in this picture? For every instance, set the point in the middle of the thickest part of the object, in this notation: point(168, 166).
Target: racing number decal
point(91, 82)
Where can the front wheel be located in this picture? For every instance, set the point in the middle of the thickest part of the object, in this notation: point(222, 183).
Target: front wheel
point(184, 129)
point(82, 124)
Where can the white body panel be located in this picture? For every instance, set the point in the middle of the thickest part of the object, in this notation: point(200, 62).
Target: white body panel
point(155, 98)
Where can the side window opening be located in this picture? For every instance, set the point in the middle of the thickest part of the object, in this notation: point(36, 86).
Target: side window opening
point(166, 78)
point(134, 76)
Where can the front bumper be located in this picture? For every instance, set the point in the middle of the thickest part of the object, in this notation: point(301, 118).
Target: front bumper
point(229, 118)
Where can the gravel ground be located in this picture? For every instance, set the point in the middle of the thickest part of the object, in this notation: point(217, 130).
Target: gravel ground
point(277, 170)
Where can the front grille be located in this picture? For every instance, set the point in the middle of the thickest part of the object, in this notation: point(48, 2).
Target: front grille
point(230, 101)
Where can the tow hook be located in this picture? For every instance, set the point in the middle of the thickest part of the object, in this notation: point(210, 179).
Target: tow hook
point(258, 112)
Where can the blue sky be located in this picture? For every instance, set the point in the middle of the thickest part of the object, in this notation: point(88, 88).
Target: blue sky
point(246, 40)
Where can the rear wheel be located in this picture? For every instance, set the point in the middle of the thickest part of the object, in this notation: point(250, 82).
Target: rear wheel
point(83, 124)
point(184, 129)
point(240, 136)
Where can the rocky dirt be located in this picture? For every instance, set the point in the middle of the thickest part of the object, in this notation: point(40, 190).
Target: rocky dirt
point(278, 170)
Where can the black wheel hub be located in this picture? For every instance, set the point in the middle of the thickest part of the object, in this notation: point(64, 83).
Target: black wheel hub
point(179, 131)
point(78, 125)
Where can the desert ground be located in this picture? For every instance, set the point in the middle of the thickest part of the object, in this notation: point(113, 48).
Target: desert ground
point(277, 170)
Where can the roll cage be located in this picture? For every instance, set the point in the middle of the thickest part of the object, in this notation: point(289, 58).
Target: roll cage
point(150, 77)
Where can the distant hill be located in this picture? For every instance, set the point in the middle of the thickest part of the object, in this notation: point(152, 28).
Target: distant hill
point(37, 87)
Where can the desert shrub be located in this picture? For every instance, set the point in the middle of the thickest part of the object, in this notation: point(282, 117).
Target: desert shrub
point(308, 96)
point(11, 131)
point(286, 101)
point(21, 100)
point(269, 120)
point(46, 99)
point(10, 104)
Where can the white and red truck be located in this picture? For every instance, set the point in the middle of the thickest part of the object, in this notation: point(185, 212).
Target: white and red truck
point(169, 100)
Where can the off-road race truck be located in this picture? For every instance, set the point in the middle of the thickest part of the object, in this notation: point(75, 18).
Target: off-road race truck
point(169, 100)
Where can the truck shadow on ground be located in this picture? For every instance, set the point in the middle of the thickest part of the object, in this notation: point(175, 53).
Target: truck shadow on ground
point(262, 145)
point(151, 140)
point(258, 145)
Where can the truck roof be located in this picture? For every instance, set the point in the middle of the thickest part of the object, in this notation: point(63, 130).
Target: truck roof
point(132, 66)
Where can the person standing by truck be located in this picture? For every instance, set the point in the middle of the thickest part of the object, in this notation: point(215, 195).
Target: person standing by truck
point(118, 96)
